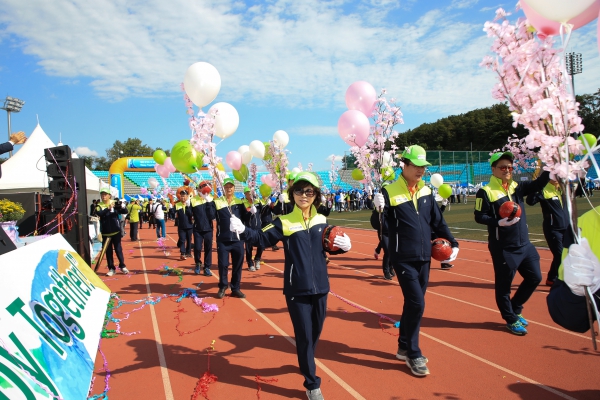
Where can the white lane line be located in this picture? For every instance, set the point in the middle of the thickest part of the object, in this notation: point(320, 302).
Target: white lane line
point(164, 371)
point(323, 367)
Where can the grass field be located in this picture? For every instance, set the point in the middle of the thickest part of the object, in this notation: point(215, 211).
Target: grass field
point(461, 221)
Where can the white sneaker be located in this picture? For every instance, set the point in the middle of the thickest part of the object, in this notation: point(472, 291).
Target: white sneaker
point(110, 272)
point(314, 394)
point(124, 270)
point(257, 264)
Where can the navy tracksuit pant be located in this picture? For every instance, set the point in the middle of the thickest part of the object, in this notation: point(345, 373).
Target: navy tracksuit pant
point(554, 238)
point(384, 244)
point(203, 238)
point(249, 248)
point(185, 240)
point(236, 249)
point(526, 261)
point(115, 243)
point(308, 315)
point(413, 277)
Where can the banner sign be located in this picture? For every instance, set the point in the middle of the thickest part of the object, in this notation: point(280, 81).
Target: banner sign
point(52, 308)
point(136, 163)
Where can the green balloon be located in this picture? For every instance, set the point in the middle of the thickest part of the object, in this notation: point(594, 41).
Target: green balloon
point(388, 174)
point(183, 157)
point(200, 160)
point(267, 156)
point(357, 174)
point(590, 139)
point(159, 156)
point(445, 191)
point(241, 174)
point(265, 190)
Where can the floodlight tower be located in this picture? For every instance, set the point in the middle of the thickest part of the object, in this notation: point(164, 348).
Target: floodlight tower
point(574, 67)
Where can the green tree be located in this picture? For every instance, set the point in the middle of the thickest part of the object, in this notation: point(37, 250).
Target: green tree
point(101, 164)
point(589, 111)
point(3, 160)
point(132, 147)
point(348, 161)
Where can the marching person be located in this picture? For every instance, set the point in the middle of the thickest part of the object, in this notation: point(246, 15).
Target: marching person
point(184, 216)
point(158, 210)
point(306, 282)
point(254, 208)
point(110, 228)
point(380, 225)
point(229, 243)
point(150, 214)
point(203, 208)
point(554, 225)
point(508, 239)
point(412, 217)
point(133, 213)
point(579, 269)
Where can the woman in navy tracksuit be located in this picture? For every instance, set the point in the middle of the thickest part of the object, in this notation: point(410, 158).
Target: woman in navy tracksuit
point(306, 282)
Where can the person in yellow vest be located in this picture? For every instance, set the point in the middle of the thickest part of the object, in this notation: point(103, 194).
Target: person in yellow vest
point(554, 225)
point(306, 281)
point(185, 225)
point(228, 243)
point(412, 216)
point(108, 212)
point(580, 268)
point(133, 215)
point(508, 239)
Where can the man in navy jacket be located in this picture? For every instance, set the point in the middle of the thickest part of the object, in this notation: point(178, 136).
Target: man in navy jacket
point(15, 139)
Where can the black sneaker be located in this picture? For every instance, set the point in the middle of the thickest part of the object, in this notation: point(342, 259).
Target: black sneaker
point(418, 366)
point(238, 294)
point(387, 276)
point(207, 271)
point(197, 269)
point(275, 248)
point(446, 266)
point(221, 293)
point(392, 272)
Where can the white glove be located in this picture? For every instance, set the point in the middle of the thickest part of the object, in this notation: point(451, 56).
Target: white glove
point(343, 242)
point(452, 256)
point(236, 225)
point(253, 209)
point(187, 203)
point(582, 268)
point(112, 209)
point(204, 196)
point(445, 202)
point(508, 222)
point(379, 201)
point(268, 201)
point(323, 200)
point(281, 198)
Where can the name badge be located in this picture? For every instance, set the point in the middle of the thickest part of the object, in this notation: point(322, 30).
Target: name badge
point(502, 195)
point(295, 228)
point(400, 199)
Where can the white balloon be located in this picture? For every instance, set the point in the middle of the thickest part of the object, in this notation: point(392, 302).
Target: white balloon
point(246, 157)
point(437, 180)
point(295, 169)
point(257, 149)
point(242, 149)
point(281, 138)
point(153, 182)
point(560, 10)
point(202, 83)
point(227, 119)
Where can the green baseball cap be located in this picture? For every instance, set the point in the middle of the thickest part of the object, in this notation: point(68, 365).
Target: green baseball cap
point(416, 155)
point(105, 190)
point(308, 177)
point(496, 156)
point(246, 189)
point(228, 180)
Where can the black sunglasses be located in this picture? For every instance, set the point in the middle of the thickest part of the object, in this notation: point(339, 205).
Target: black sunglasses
point(307, 192)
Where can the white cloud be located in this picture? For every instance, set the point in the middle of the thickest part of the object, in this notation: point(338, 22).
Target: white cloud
point(463, 3)
point(295, 54)
point(85, 152)
point(333, 156)
point(314, 131)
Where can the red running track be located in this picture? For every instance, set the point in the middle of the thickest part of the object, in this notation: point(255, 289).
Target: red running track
point(471, 354)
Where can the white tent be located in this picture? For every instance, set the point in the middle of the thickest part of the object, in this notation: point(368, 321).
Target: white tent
point(25, 171)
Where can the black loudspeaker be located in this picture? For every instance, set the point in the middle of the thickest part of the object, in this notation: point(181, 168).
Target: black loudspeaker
point(57, 154)
point(69, 214)
point(6, 244)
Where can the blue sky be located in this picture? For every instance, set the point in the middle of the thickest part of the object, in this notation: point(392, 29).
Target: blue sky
point(107, 70)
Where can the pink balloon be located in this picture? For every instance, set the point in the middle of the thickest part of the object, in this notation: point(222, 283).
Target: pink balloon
point(169, 165)
point(354, 128)
point(361, 96)
point(163, 171)
point(546, 27)
point(234, 160)
point(272, 181)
